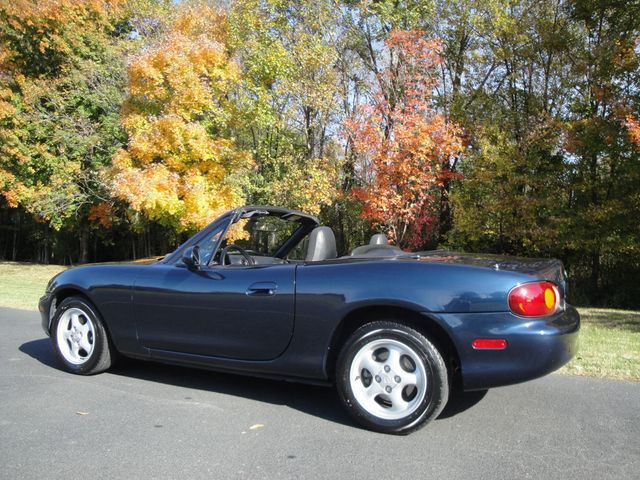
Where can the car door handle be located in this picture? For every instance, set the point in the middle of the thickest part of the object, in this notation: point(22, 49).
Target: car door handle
point(262, 289)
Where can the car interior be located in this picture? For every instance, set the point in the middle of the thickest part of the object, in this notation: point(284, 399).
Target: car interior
point(318, 246)
point(263, 239)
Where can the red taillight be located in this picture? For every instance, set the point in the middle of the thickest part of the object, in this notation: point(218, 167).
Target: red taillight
point(489, 344)
point(535, 299)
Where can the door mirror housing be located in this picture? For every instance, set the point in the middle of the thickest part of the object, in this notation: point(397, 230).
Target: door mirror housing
point(191, 257)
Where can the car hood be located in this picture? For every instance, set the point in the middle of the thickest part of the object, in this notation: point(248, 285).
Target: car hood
point(142, 261)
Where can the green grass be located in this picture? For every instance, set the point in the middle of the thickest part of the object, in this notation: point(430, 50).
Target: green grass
point(609, 345)
point(22, 284)
point(609, 339)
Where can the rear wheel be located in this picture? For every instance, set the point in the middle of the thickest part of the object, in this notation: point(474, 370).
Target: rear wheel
point(391, 378)
point(79, 337)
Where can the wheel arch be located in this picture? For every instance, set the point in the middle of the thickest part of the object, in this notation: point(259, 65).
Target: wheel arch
point(72, 291)
point(425, 324)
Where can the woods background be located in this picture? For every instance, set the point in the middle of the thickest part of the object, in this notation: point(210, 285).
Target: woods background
point(491, 126)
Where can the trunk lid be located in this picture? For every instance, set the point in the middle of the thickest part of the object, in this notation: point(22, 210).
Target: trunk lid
point(541, 268)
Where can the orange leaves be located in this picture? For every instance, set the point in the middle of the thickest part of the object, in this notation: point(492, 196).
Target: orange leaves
point(633, 127)
point(103, 213)
point(10, 188)
point(153, 190)
point(403, 146)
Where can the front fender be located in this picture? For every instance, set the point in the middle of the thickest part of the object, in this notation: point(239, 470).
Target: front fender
point(109, 288)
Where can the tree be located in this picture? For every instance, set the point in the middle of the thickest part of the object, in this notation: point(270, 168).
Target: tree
point(288, 55)
point(551, 166)
point(60, 95)
point(633, 127)
point(181, 167)
point(607, 168)
point(402, 144)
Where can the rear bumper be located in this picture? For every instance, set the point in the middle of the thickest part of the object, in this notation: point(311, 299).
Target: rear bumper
point(535, 347)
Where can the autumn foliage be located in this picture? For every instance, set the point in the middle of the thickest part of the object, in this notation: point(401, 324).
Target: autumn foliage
point(57, 81)
point(179, 166)
point(403, 145)
point(493, 126)
point(633, 127)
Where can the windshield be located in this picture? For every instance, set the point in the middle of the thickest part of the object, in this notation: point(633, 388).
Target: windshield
point(261, 234)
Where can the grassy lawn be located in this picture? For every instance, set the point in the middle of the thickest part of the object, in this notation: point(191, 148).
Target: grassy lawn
point(22, 284)
point(609, 345)
point(609, 339)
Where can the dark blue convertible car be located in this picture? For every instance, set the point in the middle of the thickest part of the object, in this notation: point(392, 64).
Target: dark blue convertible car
point(261, 291)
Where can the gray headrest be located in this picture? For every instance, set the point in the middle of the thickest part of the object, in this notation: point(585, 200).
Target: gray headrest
point(322, 245)
point(379, 239)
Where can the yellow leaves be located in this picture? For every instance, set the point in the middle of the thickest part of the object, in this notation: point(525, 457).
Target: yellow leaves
point(202, 19)
point(625, 55)
point(174, 169)
point(200, 201)
point(306, 186)
point(238, 231)
point(7, 110)
point(51, 19)
point(184, 201)
point(188, 76)
point(189, 72)
point(176, 172)
point(180, 145)
point(314, 81)
point(122, 160)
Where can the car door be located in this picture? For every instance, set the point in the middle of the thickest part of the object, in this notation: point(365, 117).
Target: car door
point(235, 311)
point(242, 312)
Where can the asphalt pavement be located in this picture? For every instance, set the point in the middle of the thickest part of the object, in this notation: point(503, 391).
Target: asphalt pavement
point(144, 420)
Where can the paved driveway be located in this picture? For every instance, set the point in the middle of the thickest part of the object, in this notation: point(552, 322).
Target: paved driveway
point(146, 420)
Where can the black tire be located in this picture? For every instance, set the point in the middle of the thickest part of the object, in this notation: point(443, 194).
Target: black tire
point(427, 402)
point(101, 355)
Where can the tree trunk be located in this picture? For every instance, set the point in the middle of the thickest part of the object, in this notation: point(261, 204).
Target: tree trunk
point(84, 246)
point(16, 232)
point(45, 246)
point(445, 221)
point(595, 277)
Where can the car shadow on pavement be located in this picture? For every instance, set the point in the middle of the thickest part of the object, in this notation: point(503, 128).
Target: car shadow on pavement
point(42, 351)
point(314, 400)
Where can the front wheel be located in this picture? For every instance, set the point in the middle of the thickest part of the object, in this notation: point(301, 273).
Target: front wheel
point(79, 337)
point(391, 378)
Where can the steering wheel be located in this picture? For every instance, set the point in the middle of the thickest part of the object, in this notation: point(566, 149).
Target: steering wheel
point(225, 251)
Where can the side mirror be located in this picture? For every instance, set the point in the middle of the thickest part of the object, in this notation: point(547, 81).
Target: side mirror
point(191, 257)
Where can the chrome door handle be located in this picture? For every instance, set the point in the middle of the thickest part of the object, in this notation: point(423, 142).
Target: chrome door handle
point(262, 289)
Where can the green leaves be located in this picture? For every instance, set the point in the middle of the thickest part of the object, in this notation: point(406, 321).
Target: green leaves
point(61, 95)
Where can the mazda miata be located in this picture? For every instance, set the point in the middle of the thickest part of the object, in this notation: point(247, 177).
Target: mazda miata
point(261, 291)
